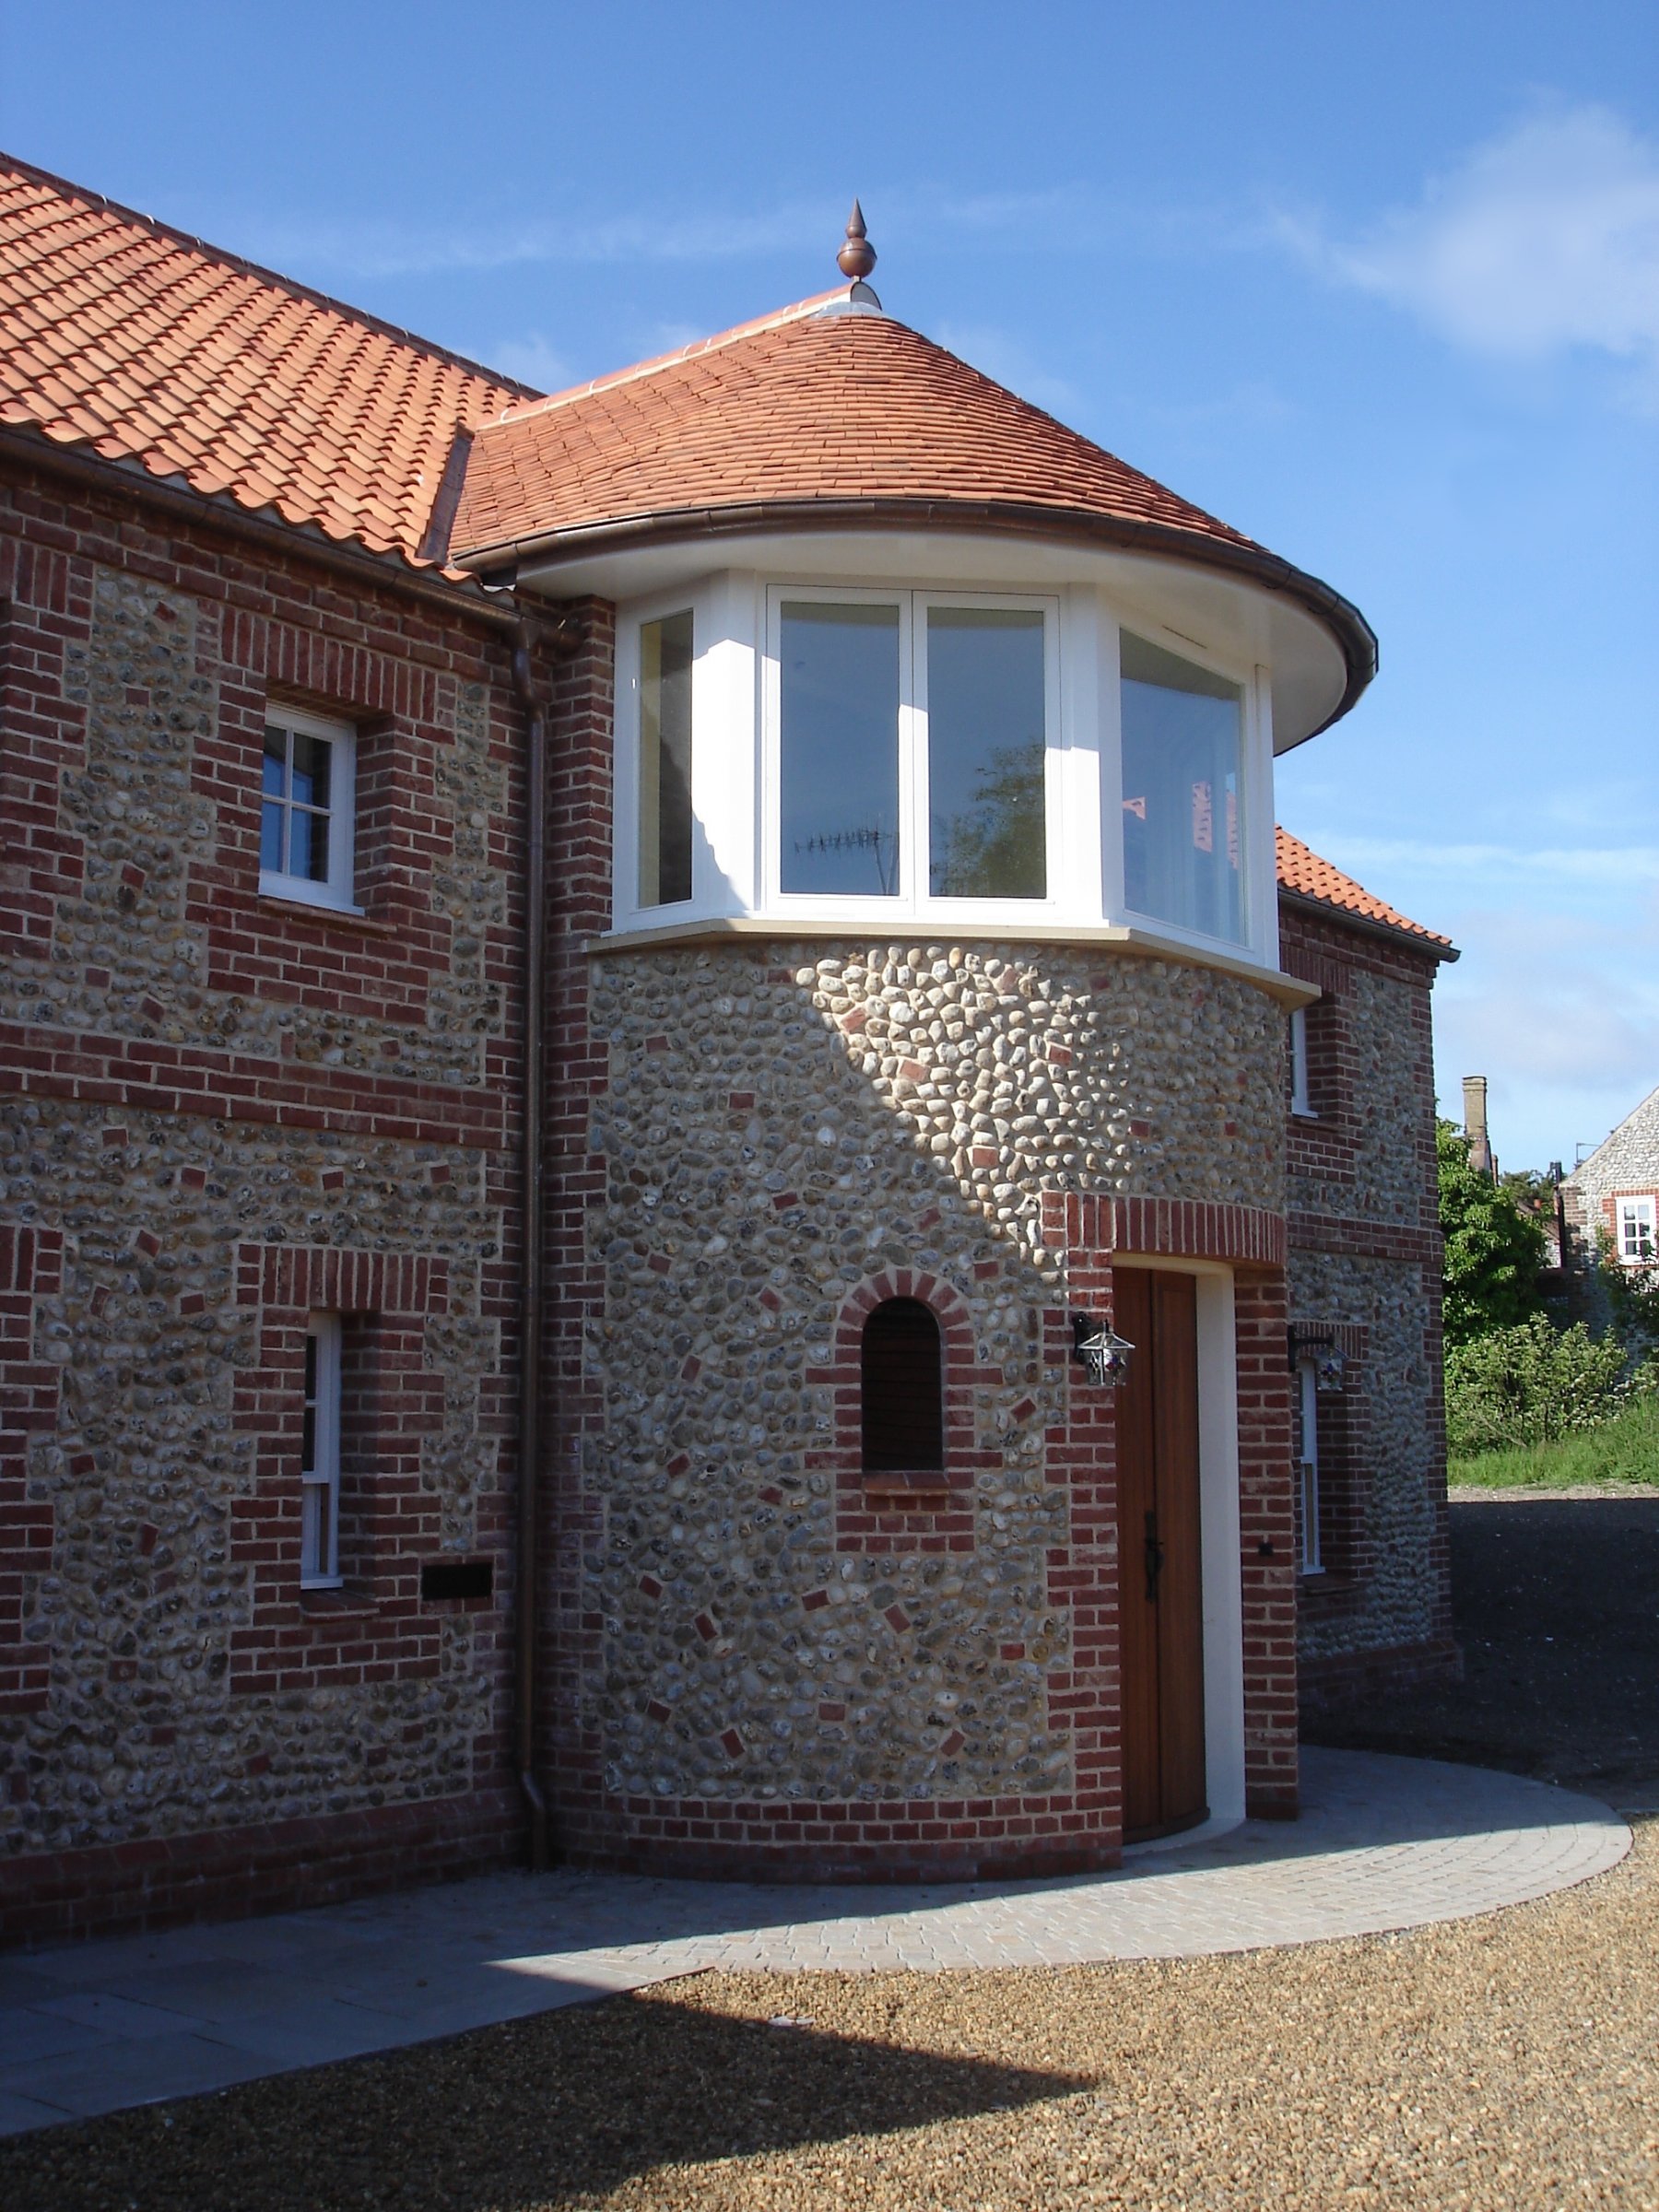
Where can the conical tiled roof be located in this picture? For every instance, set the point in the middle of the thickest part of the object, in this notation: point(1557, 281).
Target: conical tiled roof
point(807, 405)
point(831, 413)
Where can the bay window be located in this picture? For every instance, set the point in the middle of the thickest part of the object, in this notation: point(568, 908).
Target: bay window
point(828, 753)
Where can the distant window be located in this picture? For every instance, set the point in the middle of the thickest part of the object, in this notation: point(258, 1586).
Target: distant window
point(1301, 1101)
point(320, 1456)
point(1183, 762)
point(1636, 1230)
point(665, 657)
point(901, 1374)
point(305, 831)
point(1307, 1459)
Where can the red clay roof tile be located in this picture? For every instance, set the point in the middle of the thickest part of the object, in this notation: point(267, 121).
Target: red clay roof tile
point(144, 345)
point(806, 404)
point(1302, 871)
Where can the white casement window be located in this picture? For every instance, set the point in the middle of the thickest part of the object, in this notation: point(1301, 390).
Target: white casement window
point(910, 740)
point(1301, 1101)
point(1307, 1466)
point(320, 1456)
point(306, 817)
point(667, 651)
point(1636, 1239)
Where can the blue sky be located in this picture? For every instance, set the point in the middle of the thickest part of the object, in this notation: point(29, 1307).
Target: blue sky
point(1378, 285)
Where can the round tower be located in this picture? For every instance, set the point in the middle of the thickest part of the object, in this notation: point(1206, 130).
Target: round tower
point(922, 1500)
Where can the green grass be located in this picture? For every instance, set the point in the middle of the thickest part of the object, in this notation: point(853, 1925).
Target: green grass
point(1626, 1451)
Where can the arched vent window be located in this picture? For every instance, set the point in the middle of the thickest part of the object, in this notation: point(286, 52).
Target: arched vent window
point(901, 1388)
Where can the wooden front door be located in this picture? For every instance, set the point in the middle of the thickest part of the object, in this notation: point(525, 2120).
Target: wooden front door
point(1161, 1598)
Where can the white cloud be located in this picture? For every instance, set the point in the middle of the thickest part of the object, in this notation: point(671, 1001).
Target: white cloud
point(1545, 239)
point(1556, 996)
point(375, 248)
point(1462, 868)
point(997, 354)
point(531, 359)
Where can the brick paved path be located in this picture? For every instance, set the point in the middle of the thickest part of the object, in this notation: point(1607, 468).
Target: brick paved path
point(1383, 1843)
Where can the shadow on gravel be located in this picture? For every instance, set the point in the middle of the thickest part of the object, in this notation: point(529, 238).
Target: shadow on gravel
point(551, 2112)
point(1556, 1604)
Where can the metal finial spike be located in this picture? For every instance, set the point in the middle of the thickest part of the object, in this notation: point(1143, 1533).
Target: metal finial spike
point(857, 257)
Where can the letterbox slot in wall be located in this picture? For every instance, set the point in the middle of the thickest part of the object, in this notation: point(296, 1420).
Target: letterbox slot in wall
point(457, 1578)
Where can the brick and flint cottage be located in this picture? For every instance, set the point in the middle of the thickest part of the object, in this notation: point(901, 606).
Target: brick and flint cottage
point(681, 1182)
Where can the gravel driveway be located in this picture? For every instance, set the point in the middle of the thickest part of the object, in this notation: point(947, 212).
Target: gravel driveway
point(1557, 1603)
point(1509, 2062)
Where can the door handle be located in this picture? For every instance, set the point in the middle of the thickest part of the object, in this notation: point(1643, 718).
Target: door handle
point(1155, 1559)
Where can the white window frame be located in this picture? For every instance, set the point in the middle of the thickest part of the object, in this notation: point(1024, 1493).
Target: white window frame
point(1300, 1102)
point(320, 1562)
point(735, 761)
point(340, 890)
point(1636, 1227)
point(912, 899)
point(1258, 895)
point(1311, 1560)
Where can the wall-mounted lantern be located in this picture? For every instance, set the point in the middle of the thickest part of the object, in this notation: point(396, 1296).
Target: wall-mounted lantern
point(1319, 1348)
point(1096, 1347)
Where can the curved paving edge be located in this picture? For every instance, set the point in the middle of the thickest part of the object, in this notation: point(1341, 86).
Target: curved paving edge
point(1384, 1843)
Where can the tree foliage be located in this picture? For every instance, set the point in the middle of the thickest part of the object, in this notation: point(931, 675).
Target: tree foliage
point(1532, 1383)
point(1494, 1249)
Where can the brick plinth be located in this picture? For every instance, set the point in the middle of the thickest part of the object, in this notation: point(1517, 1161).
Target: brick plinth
point(279, 1866)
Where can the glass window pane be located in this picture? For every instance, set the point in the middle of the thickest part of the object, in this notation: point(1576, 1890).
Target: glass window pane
point(840, 750)
point(308, 845)
point(665, 761)
point(312, 757)
point(276, 763)
point(313, 1529)
point(270, 836)
point(1182, 757)
point(986, 748)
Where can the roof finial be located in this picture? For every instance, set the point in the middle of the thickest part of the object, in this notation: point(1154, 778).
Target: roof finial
point(857, 257)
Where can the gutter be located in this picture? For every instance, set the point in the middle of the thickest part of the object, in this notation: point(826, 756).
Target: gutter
point(292, 541)
point(1433, 948)
point(510, 561)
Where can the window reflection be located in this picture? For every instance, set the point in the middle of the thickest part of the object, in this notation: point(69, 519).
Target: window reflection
point(1183, 758)
point(666, 653)
point(839, 755)
point(987, 749)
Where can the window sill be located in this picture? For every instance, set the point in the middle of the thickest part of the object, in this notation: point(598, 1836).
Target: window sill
point(919, 1489)
point(1125, 938)
point(335, 1601)
point(313, 910)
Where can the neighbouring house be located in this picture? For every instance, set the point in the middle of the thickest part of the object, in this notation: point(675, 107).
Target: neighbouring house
point(1610, 1202)
point(682, 1181)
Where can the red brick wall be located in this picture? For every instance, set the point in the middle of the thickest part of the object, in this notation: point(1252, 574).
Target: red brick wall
point(224, 1049)
point(31, 1267)
point(1365, 1249)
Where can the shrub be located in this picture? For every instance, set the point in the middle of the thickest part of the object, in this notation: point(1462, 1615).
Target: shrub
point(1493, 1249)
point(1531, 1383)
